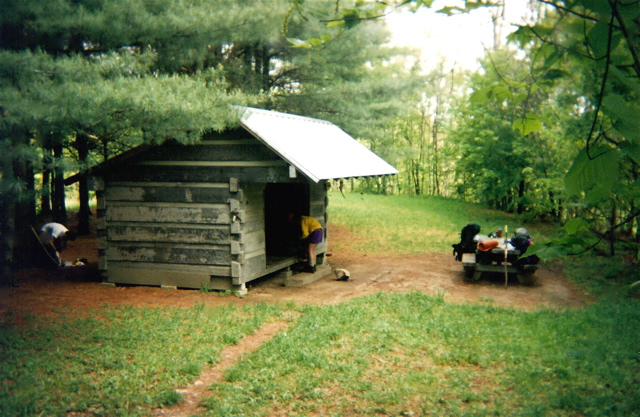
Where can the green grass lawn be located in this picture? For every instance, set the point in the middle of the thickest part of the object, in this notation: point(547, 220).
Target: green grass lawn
point(384, 354)
point(118, 362)
point(411, 354)
point(412, 224)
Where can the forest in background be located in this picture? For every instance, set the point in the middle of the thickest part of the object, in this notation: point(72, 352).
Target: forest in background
point(548, 127)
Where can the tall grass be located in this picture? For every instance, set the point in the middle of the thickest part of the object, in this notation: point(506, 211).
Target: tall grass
point(411, 224)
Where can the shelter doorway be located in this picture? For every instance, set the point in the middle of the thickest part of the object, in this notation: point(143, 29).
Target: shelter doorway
point(280, 199)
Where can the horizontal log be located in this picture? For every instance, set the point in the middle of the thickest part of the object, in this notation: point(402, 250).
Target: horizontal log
point(202, 174)
point(170, 233)
point(169, 194)
point(139, 276)
point(169, 255)
point(213, 270)
point(168, 213)
point(169, 184)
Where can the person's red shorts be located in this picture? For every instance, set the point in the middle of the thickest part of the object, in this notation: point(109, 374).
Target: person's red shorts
point(315, 236)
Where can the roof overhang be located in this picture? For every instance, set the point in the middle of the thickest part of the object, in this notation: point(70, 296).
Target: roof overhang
point(317, 148)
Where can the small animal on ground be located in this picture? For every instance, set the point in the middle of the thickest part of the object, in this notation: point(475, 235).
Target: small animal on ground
point(341, 274)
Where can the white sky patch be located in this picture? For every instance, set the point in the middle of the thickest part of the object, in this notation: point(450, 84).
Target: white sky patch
point(456, 40)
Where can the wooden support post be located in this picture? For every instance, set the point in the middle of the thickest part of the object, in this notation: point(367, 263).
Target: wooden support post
point(239, 290)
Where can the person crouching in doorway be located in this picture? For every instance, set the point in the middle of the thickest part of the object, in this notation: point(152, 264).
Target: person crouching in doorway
point(311, 236)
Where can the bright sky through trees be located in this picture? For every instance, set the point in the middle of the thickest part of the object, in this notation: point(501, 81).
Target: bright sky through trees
point(460, 40)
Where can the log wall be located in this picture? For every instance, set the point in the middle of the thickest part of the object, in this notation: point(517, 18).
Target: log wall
point(191, 216)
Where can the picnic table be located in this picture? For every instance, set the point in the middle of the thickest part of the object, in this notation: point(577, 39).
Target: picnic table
point(490, 257)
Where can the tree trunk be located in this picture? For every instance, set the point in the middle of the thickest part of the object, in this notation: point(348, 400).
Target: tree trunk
point(17, 210)
point(45, 196)
point(25, 213)
point(521, 189)
point(84, 215)
point(59, 205)
point(264, 68)
point(7, 222)
point(416, 178)
point(435, 148)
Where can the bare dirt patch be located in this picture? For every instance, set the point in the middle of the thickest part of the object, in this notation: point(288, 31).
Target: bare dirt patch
point(76, 291)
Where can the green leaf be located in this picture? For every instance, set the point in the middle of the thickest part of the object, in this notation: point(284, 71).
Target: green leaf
point(626, 120)
point(554, 74)
point(598, 167)
point(597, 6)
point(598, 38)
point(528, 124)
point(351, 18)
point(299, 43)
point(598, 194)
point(315, 41)
point(500, 93)
point(548, 251)
point(468, 6)
point(624, 78)
point(631, 149)
point(480, 96)
point(425, 3)
point(574, 226)
point(518, 98)
point(450, 10)
point(617, 107)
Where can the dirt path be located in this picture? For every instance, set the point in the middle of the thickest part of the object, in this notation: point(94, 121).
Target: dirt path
point(42, 293)
point(198, 390)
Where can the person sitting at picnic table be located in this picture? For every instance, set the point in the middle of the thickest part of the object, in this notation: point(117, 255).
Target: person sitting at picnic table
point(54, 237)
point(311, 235)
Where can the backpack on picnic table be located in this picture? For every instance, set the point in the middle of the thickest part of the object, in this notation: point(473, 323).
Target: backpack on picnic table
point(467, 243)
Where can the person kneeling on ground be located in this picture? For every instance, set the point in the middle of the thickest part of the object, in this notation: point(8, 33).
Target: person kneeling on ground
point(311, 236)
point(54, 237)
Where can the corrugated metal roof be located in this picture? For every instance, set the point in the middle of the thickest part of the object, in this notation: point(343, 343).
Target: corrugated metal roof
point(317, 148)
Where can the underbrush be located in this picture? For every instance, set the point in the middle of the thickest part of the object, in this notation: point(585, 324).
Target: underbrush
point(607, 278)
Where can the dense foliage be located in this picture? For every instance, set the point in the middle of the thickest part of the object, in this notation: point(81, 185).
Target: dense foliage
point(82, 81)
point(595, 46)
point(553, 132)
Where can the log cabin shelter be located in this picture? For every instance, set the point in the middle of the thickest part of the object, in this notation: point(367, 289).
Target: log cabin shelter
point(214, 214)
